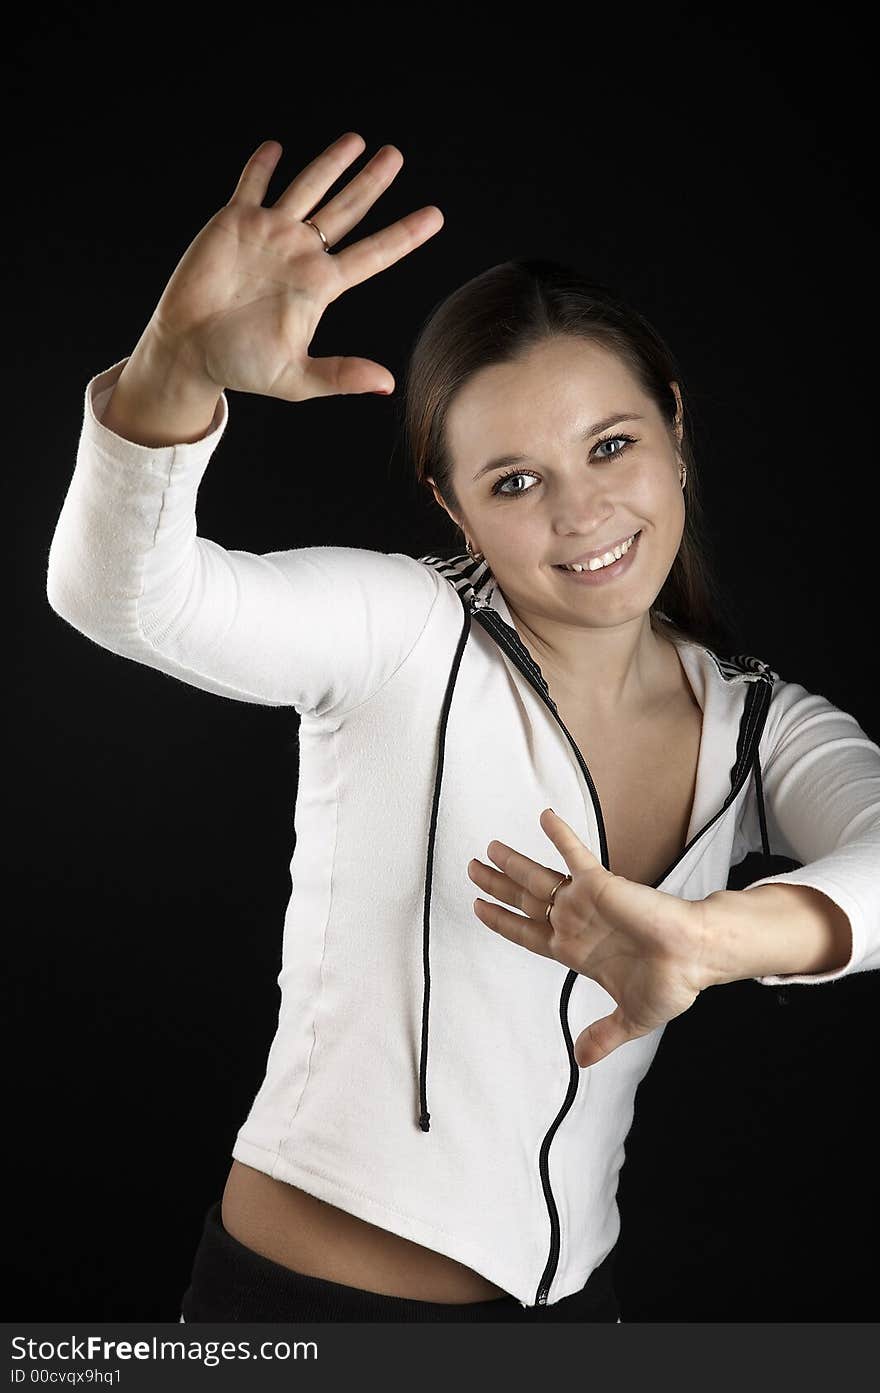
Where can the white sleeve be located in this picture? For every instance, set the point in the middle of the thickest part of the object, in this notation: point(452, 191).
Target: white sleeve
point(821, 781)
point(321, 629)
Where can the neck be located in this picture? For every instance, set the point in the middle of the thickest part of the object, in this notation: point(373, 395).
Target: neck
point(613, 672)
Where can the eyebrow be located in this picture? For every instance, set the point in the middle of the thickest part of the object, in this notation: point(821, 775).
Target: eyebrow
point(503, 461)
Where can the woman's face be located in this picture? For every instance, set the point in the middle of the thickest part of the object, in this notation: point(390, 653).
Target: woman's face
point(578, 489)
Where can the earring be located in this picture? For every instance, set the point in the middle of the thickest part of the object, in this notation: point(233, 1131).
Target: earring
point(682, 474)
point(476, 555)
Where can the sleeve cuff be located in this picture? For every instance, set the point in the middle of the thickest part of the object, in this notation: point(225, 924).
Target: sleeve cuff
point(158, 458)
point(844, 901)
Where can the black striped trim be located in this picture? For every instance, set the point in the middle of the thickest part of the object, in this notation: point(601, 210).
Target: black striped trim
point(473, 579)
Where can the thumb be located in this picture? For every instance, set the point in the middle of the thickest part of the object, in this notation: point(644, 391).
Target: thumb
point(600, 1039)
point(576, 854)
point(348, 376)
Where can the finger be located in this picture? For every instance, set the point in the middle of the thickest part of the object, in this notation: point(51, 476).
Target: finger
point(516, 928)
point(599, 1039)
point(254, 179)
point(576, 855)
point(344, 376)
point(511, 891)
point(373, 254)
point(346, 209)
point(538, 880)
point(304, 193)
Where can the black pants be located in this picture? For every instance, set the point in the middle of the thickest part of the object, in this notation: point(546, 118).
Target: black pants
point(232, 1282)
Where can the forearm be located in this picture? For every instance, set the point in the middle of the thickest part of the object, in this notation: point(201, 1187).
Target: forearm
point(160, 398)
point(770, 931)
point(125, 559)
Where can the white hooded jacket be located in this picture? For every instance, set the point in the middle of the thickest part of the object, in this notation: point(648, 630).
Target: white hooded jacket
point(422, 1075)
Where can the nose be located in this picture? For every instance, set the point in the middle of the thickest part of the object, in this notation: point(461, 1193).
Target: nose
point(582, 508)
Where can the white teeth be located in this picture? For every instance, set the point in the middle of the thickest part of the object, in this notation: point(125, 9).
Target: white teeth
point(599, 561)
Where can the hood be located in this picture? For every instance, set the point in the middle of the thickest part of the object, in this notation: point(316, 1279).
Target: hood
point(482, 600)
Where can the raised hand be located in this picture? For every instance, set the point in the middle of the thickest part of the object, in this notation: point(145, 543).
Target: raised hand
point(243, 303)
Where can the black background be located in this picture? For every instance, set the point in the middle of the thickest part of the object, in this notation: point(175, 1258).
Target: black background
point(717, 172)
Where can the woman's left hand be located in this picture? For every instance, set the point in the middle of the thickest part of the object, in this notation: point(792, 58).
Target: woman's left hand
point(642, 945)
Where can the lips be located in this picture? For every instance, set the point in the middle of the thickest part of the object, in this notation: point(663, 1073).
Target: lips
point(603, 575)
point(596, 555)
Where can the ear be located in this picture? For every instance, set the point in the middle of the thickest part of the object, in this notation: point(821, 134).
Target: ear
point(439, 497)
point(679, 421)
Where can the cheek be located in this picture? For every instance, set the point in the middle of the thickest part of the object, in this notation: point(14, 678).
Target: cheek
point(512, 526)
point(661, 494)
point(671, 515)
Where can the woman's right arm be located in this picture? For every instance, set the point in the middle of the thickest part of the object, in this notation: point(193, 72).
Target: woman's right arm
point(318, 628)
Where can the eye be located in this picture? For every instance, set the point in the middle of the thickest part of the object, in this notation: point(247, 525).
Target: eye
point(502, 492)
point(511, 474)
point(610, 439)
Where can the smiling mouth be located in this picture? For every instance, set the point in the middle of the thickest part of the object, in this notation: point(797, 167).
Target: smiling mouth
point(596, 563)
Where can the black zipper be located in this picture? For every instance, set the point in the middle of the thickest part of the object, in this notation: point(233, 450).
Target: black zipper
point(757, 702)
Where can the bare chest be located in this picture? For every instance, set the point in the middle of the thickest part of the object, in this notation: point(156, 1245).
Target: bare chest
point(645, 779)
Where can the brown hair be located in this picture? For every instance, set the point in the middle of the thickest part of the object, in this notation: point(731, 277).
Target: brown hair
point(497, 317)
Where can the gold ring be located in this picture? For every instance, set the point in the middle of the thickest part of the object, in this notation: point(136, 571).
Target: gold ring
point(319, 232)
point(566, 879)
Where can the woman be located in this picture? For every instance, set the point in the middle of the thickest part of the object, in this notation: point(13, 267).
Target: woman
point(442, 1121)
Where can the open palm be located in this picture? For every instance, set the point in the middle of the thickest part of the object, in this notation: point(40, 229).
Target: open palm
point(244, 301)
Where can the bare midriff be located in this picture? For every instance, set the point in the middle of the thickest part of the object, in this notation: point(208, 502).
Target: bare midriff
point(297, 1230)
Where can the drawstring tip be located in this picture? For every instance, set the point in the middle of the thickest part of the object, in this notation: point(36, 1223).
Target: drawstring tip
point(423, 1121)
